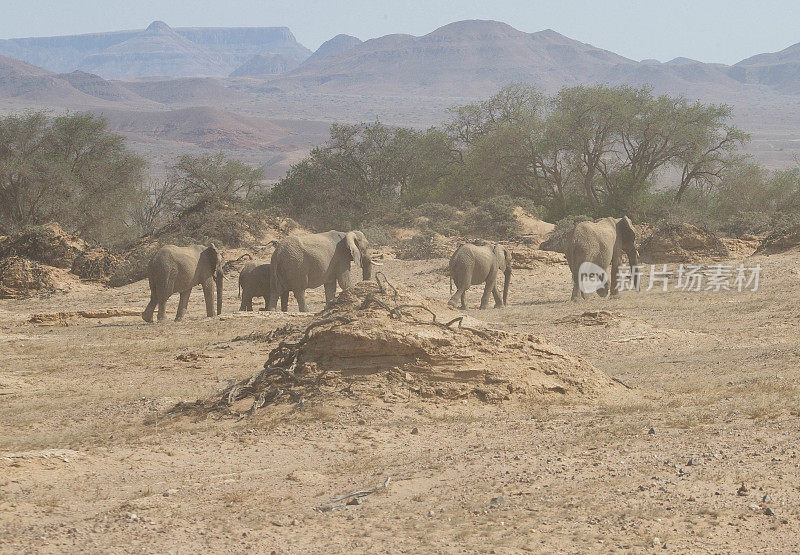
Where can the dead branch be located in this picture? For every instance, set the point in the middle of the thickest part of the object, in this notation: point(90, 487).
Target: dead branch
point(337, 503)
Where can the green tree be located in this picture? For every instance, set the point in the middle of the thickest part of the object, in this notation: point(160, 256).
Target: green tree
point(211, 178)
point(69, 169)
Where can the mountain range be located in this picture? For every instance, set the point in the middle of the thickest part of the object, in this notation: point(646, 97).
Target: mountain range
point(403, 79)
point(158, 50)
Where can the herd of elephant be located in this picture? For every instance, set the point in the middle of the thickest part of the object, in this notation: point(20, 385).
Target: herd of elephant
point(302, 262)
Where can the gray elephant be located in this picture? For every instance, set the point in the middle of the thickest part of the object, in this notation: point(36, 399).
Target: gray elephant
point(254, 281)
point(303, 262)
point(594, 246)
point(474, 264)
point(177, 270)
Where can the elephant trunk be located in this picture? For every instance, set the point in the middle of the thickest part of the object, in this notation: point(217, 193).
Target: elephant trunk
point(366, 268)
point(506, 283)
point(219, 279)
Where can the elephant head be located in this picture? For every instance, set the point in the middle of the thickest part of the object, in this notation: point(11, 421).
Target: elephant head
point(358, 247)
point(626, 242)
point(210, 265)
point(504, 262)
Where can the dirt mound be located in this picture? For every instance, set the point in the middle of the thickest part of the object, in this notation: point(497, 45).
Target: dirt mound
point(594, 318)
point(743, 246)
point(96, 264)
point(681, 242)
point(532, 229)
point(374, 342)
point(425, 246)
point(65, 318)
point(780, 241)
point(528, 258)
point(48, 244)
point(20, 278)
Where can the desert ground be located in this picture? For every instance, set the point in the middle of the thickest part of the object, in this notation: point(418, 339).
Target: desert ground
point(700, 454)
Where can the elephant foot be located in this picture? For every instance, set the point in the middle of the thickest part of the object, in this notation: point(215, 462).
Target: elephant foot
point(576, 298)
point(499, 305)
point(147, 318)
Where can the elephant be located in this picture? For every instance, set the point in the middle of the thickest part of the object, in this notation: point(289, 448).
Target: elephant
point(601, 243)
point(473, 264)
point(302, 262)
point(176, 269)
point(254, 281)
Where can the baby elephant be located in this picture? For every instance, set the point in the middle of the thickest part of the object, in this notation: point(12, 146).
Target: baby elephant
point(474, 264)
point(254, 282)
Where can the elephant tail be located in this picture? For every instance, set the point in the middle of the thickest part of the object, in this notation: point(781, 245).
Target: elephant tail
point(451, 285)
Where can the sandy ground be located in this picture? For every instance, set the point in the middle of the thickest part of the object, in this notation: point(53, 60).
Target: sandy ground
point(88, 463)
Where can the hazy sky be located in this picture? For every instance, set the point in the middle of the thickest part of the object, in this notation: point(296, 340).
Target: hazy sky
point(709, 30)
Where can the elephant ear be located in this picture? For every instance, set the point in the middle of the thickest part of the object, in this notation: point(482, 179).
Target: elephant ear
point(212, 256)
point(355, 253)
point(625, 230)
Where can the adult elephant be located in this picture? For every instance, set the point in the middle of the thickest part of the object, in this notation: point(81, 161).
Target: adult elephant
point(176, 269)
point(474, 264)
point(594, 246)
point(254, 281)
point(303, 262)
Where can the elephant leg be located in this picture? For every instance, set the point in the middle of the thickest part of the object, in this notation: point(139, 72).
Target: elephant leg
point(614, 277)
point(577, 294)
point(498, 299)
point(183, 303)
point(487, 293)
point(464, 298)
point(330, 292)
point(162, 310)
point(455, 297)
point(300, 295)
point(147, 315)
point(285, 302)
point(208, 294)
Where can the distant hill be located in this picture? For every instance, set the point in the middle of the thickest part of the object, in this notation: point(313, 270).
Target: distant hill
point(265, 64)
point(218, 50)
point(187, 91)
point(475, 58)
point(466, 58)
point(334, 46)
point(156, 51)
point(33, 86)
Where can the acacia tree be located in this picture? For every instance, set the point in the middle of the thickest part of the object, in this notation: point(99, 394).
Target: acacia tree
point(69, 169)
point(215, 178)
point(708, 147)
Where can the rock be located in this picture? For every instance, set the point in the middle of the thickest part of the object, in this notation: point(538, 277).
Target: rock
point(361, 422)
point(691, 462)
point(497, 501)
point(415, 431)
point(742, 491)
point(768, 511)
point(766, 499)
point(651, 431)
point(356, 501)
point(753, 507)
point(656, 541)
point(431, 513)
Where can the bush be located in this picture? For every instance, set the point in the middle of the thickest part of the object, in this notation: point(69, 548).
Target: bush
point(379, 236)
point(423, 246)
